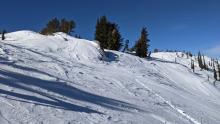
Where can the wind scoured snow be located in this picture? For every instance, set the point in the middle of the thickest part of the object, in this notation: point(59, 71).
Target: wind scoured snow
point(64, 80)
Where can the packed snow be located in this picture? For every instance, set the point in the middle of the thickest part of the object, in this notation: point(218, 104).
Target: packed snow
point(60, 79)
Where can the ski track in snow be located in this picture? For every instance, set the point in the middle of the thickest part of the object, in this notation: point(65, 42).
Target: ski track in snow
point(194, 121)
point(4, 119)
point(78, 79)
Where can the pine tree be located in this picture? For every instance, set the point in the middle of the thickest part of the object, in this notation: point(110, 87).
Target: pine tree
point(125, 46)
point(108, 34)
point(55, 25)
point(200, 61)
point(67, 26)
point(114, 39)
point(52, 27)
point(204, 63)
point(190, 54)
point(218, 71)
point(149, 54)
point(142, 44)
point(156, 50)
point(77, 36)
point(212, 62)
point(3, 34)
point(215, 74)
point(101, 33)
point(192, 65)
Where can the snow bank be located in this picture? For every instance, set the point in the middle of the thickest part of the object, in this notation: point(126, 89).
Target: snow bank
point(60, 44)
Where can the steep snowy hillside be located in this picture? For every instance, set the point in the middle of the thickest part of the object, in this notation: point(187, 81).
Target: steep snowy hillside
point(64, 80)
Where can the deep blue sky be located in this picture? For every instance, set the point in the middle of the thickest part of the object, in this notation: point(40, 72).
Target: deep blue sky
point(172, 24)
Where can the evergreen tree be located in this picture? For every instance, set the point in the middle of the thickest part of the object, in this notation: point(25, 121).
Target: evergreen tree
point(192, 65)
point(101, 33)
point(114, 39)
point(149, 54)
point(52, 27)
point(190, 54)
point(200, 61)
point(218, 71)
point(77, 36)
point(142, 44)
point(187, 55)
point(212, 62)
point(156, 50)
point(215, 74)
point(108, 34)
point(125, 46)
point(55, 25)
point(67, 26)
point(3, 34)
point(204, 63)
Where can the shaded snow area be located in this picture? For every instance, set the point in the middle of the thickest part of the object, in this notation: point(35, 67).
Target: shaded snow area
point(60, 79)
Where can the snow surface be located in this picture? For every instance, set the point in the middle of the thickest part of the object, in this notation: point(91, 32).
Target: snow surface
point(60, 79)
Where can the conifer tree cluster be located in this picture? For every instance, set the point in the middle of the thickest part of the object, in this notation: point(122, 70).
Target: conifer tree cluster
point(56, 25)
point(142, 44)
point(201, 62)
point(107, 33)
point(212, 63)
point(188, 54)
point(216, 69)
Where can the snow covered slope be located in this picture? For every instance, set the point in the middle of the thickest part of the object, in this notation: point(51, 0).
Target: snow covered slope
point(60, 45)
point(64, 80)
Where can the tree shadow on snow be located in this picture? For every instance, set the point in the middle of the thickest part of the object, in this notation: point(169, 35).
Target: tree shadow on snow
point(32, 84)
point(165, 61)
point(111, 56)
point(160, 60)
point(24, 68)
